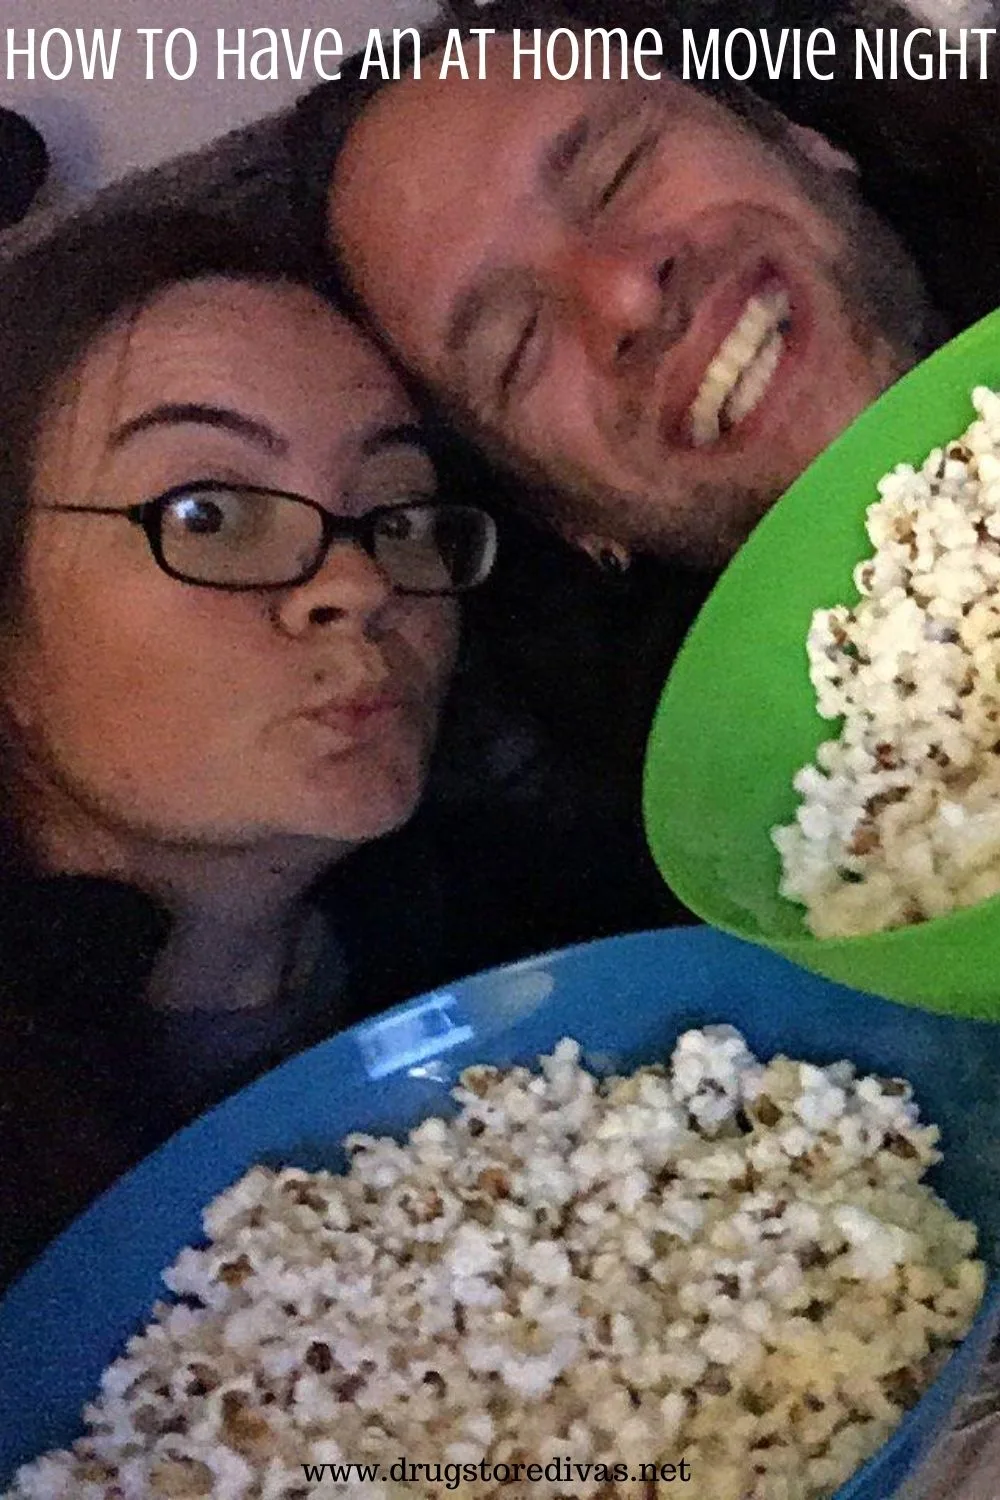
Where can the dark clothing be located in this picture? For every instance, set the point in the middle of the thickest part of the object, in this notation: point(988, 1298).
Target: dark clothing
point(586, 652)
point(91, 1078)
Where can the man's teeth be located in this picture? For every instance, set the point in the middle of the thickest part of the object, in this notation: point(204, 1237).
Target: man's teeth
point(742, 368)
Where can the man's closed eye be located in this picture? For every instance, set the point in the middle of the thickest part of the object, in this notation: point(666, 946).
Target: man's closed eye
point(515, 366)
point(624, 172)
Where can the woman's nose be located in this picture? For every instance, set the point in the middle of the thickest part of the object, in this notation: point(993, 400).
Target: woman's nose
point(350, 589)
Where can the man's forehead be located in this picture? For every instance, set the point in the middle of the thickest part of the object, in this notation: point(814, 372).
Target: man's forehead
point(455, 116)
point(439, 140)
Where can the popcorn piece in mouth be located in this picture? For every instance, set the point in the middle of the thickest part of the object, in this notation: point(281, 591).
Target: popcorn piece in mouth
point(723, 1259)
point(899, 818)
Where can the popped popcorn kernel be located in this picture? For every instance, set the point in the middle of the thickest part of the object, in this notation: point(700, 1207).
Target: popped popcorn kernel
point(720, 1258)
point(899, 818)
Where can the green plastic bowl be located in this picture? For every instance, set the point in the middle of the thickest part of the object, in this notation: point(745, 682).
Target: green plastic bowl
point(737, 717)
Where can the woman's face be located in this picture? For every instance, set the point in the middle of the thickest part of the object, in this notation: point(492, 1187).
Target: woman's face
point(188, 715)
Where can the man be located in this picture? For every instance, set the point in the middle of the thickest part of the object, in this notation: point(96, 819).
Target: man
point(653, 307)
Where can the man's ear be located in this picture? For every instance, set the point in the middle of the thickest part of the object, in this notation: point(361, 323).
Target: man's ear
point(610, 555)
point(821, 152)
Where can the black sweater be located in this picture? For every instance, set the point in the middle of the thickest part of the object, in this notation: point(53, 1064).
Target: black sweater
point(91, 1078)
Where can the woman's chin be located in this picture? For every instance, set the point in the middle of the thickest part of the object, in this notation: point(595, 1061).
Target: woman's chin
point(381, 811)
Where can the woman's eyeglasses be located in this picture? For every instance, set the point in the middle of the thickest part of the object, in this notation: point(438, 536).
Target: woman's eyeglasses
point(226, 536)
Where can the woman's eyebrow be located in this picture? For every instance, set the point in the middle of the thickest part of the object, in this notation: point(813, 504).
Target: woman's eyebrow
point(173, 414)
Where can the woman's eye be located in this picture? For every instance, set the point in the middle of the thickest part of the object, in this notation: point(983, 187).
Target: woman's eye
point(210, 514)
point(396, 526)
point(198, 514)
point(415, 524)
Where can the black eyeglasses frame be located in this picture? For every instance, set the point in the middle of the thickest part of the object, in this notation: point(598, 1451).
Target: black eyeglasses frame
point(360, 530)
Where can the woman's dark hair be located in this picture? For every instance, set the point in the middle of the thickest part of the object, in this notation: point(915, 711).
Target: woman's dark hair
point(58, 295)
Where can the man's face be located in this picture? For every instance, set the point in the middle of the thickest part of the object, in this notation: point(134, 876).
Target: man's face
point(625, 291)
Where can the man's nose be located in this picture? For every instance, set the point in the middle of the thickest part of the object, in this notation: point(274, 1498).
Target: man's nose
point(350, 591)
point(620, 297)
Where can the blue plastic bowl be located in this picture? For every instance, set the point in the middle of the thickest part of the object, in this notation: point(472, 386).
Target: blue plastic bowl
point(625, 1000)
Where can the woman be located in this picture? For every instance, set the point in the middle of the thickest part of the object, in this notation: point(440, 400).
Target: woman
point(227, 582)
point(227, 628)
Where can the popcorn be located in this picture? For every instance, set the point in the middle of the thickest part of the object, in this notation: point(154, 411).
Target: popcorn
point(899, 819)
point(736, 1262)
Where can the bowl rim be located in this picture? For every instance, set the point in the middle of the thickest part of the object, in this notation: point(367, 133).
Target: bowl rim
point(916, 1425)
